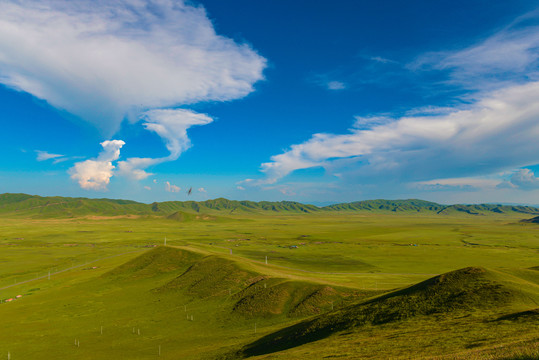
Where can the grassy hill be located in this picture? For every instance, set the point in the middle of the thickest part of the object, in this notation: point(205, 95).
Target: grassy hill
point(194, 304)
point(190, 302)
point(22, 205)
point(452, 295)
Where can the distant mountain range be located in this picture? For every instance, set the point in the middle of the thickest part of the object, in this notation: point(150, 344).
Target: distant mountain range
point(24, 205)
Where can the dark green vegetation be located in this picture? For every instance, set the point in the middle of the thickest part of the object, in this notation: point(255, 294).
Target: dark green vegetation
point(534, 220)
point(369, 280)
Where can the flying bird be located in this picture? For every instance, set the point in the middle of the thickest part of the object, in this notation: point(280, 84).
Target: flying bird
point(189, 191)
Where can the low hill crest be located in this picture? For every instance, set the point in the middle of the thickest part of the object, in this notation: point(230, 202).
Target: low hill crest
point(459, 292)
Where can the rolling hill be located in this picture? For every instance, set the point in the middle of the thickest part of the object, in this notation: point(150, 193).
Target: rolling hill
point(23, 205)
point(192, 303)
point(456, 294)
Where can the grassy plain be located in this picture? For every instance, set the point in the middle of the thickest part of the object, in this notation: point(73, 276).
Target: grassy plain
point(316, 262)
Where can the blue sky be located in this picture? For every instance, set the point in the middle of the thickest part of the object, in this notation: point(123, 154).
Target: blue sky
point(313, 101)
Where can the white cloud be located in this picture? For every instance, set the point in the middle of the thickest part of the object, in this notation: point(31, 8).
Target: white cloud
point(148, 188)
point(171, 188)
point(497, 133)
point(523, 179)
point(171, 125)
point(43, 155)
point(111, 150)
point(202, 190)
point(92, 175)
point(96, 174)
point(133, 168)
point(102, 60)
point(240, 187)
point(336, 85)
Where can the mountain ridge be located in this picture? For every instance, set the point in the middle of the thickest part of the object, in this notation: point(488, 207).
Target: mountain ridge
point(57, 206)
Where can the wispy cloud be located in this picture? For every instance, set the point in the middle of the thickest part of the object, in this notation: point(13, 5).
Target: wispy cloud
point(202, 190)
point(430, 110)
point(382, 60)
point(44, 155)
point(328, 81)
point(336, 85)
point(134, 168)
point(463, 183)
point(107, 59)
point(171, 125)
point(95, 174)
point(508, 56)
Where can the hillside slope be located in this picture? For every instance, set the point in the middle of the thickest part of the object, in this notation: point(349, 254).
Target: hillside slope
point(462, 292)
point(534, 220)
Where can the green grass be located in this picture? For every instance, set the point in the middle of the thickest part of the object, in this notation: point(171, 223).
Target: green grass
point(315, 262)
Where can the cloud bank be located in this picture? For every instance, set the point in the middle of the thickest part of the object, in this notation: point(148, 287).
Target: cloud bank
point(102, 60)
point(497, 133)
point(523, 179)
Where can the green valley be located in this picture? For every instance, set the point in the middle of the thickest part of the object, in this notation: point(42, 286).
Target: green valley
point(220, 279)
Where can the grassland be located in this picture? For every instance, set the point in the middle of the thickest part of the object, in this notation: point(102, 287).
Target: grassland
point(329, 279)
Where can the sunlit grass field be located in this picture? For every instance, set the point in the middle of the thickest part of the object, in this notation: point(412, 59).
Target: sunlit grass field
point(88, 311)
